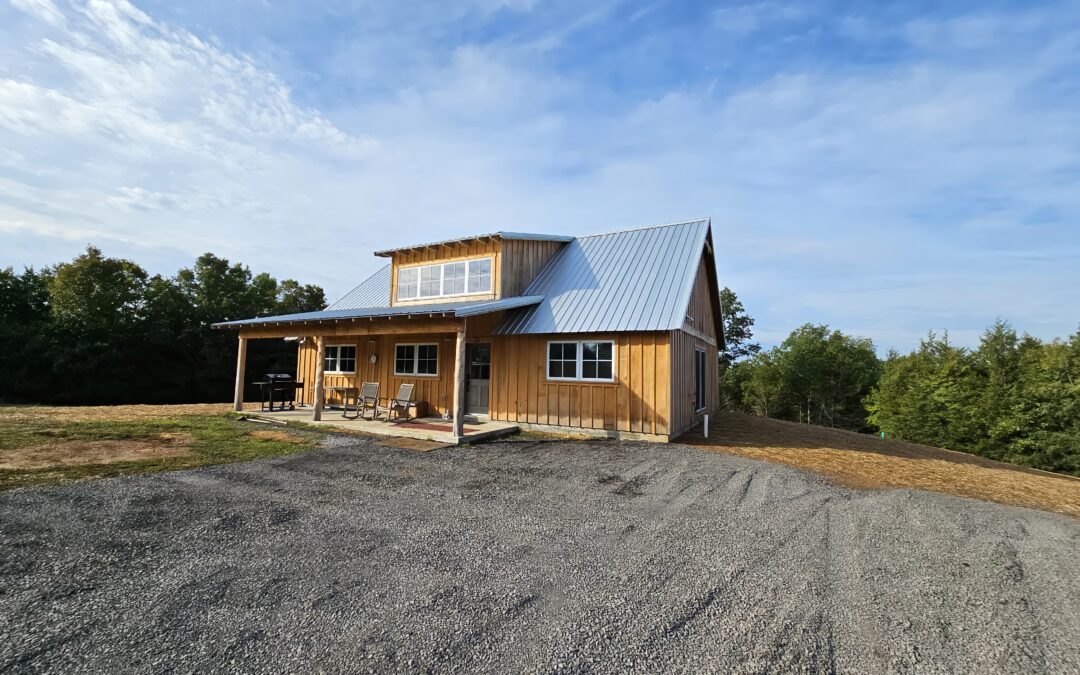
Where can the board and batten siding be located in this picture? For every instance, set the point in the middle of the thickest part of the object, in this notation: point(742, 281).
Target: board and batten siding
point(522, 260)
point(437, 391)
point(699, 333)
point(636, 402)
point(487, 248)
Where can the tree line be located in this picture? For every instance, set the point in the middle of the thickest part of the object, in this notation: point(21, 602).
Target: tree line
point(1013, 398)
point(101, 330)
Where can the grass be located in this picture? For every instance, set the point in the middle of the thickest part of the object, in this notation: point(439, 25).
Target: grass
point(864, 461)
point(43, 445)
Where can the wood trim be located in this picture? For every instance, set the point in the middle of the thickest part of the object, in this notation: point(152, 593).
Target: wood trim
point(241, 366)
point(689, 330)
point(320, 376)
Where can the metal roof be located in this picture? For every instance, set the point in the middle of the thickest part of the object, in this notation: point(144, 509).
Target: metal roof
point(372, 292)
point(634, 280)
point(455, 309)
point(501, 235)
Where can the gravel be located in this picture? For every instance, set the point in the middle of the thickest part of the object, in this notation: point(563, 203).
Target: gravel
point(528, 556)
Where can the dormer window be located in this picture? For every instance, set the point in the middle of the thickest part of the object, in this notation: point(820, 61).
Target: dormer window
point(464, 277)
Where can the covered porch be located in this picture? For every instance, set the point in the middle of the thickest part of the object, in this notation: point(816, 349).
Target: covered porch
point(428, 349)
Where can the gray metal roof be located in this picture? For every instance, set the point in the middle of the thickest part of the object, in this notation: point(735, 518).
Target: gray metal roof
point(501, 235)
point(372, 292)
point(455, 309)
point(634, 280)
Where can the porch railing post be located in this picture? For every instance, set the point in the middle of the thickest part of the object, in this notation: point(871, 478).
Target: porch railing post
point(459, 383)
point(241, 364)
point(320, 375)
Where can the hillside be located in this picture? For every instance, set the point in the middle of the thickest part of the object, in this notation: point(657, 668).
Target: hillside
point(864, 461)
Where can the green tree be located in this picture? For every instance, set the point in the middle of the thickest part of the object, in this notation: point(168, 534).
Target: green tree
point(738, 329)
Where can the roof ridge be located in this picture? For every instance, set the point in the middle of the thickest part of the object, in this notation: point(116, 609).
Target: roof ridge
point(646, 227)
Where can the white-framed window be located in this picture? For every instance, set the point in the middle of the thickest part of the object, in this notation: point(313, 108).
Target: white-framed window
point(340, 359)
point(581, 360)
point(416, 359)
point(462, 277)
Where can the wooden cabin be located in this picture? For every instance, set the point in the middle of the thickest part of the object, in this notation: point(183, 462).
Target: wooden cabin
point(610, 334)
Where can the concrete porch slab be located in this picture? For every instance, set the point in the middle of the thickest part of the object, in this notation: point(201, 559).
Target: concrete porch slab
point(424, 428)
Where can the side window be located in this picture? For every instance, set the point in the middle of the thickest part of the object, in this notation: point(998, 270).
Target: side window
point(562, 360)
point(454, 278)
point(480, 275)
point(699, 379)
point(427, 359)
point(408, 283)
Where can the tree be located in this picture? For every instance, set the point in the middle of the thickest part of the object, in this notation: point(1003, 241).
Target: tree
point(827, 374)
point(738, 329)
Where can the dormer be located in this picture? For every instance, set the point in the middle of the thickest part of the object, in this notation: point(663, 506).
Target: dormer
point(483, 267)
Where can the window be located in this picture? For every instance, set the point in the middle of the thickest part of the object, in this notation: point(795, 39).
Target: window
point(582, 360)
point(430, 281)
point(454, 278)
point(465, 277)
point(416, 359)
point(562, 360)
point(480, 275)
point(408, 282)
point(340, 359)
point(699, 379)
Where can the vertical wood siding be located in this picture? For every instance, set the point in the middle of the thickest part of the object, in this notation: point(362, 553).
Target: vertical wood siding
point(522, 260)
point(637, 401)
point(683, 345)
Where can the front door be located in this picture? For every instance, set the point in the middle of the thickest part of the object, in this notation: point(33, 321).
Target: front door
point(477, 376)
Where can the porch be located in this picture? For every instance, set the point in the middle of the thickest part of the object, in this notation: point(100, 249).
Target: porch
point(424, 428)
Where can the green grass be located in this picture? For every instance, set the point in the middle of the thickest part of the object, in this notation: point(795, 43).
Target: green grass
point(215, 439)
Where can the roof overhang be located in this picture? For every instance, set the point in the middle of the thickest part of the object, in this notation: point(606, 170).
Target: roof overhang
point(456, 310)
point(524, 236)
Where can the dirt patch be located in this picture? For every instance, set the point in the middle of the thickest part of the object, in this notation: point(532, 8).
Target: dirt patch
point(274, 435)
point(114, 413)
point(864, 461)
point(75, 453)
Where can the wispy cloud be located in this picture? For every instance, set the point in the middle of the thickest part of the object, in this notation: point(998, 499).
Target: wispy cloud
point(882, 170)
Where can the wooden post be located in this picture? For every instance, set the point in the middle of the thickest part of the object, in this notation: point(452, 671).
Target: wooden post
point(241, 364)
point(320, 375)
point(459, 383)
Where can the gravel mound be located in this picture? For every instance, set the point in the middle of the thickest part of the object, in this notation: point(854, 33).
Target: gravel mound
point(528, 557)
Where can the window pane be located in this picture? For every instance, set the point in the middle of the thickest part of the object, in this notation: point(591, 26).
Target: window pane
point(330, 363)
point(603, 370)
point(555, 369)
point(569, 369)
point(588, 369)
point(554, 350)
point(347, 359)
point(454, 278)
point(427, 360)
point(588, 350)
point(407, 283)
point(604, 351)
point(403, 359)
point(480, 275)
point(569, 351)
point(430, 278)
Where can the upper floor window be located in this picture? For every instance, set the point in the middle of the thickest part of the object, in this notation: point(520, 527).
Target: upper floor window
point(464, 277)
point(340, 359)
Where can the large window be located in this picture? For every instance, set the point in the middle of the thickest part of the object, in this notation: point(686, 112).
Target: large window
point(582, 360)
point(419, 359)
point(340, 359)
point(465, 277)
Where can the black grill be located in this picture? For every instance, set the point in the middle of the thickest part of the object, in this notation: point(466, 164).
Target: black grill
point(285, 385)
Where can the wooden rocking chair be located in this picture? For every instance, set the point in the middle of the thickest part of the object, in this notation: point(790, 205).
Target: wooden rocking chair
point(367, 399)
point(400, 403)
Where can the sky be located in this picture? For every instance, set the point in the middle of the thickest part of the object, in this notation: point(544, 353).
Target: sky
point(884, 168)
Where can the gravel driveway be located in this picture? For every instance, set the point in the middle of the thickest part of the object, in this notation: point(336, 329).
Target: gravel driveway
point(528, 556)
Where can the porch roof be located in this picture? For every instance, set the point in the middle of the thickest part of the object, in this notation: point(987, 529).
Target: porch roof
point(453, 309)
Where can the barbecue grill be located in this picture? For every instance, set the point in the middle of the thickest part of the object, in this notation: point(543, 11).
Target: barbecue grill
point(286, 386)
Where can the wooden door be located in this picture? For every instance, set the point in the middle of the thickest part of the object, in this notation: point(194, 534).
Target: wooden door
point(477, 377)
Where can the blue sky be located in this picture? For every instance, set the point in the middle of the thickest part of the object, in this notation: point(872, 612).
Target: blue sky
point(886, 168)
